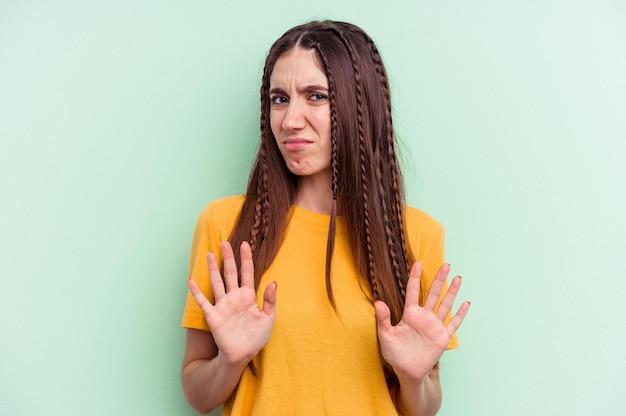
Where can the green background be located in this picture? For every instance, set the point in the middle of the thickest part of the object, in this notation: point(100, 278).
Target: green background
point(121, 120)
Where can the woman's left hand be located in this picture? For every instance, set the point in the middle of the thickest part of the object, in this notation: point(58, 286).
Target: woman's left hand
point(413, 346)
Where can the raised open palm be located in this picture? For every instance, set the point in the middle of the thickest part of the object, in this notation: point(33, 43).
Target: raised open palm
point(415, 344)
point(240, 328)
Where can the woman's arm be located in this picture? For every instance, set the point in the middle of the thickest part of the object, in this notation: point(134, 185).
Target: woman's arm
point(214, 361)
point(414, 345)
point(420, 397)
point(208, 379)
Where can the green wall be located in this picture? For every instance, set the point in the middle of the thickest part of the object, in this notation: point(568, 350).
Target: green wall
point(120, 120)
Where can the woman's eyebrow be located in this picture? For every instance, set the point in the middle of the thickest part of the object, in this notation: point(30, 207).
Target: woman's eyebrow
point(313, 88)
point(305, 89)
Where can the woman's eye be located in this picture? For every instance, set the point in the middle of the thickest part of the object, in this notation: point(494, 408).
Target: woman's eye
point(279, 99)
point(318, 97)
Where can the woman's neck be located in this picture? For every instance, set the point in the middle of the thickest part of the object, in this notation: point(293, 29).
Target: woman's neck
point(314, 195)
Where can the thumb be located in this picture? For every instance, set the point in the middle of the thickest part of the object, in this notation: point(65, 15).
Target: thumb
point(269, 299)
point(383, 315)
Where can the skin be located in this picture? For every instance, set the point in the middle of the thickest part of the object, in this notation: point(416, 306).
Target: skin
point(240, 328)
point(213, 362)
point(414, 346)
point(300, 122)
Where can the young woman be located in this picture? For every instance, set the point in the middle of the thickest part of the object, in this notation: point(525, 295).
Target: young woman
point(323, 293)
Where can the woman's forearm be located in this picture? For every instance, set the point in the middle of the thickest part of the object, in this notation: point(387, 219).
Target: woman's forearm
point(209, 383)
point(419, 397)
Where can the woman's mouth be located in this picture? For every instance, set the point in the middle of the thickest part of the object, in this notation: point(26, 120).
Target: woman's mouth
point(295, 144)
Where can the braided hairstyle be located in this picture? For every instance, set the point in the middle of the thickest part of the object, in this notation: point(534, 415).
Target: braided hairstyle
point(366, 178)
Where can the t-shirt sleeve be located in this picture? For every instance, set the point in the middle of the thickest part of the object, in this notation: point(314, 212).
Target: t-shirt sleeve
point(427, 242)
point(213, 226)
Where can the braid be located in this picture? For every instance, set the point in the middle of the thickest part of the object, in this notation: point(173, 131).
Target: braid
point(254, 232)
point(330, 245)
point(368, 233)
point(333, 119)
point(390, 233)
point(259, 229)
point(360, 97)
point(401, 271)
point(260, 225)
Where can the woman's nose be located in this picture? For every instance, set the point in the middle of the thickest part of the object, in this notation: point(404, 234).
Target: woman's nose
point(294, 116)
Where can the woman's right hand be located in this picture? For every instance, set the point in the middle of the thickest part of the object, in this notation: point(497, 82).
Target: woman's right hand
point(240, 328)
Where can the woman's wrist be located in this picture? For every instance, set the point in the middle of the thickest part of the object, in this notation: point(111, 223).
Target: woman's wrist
point(237, 364)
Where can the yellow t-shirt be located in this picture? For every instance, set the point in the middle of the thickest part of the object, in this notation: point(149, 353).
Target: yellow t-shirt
point(318, 361)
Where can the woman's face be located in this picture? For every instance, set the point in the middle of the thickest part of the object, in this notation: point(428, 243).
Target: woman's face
point(300, 113)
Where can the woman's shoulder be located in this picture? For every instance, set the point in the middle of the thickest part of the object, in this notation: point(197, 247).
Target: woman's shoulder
point(222, 211)
point(227, 203)
point(417, 219)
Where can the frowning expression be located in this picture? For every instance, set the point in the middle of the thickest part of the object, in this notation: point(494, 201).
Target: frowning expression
point(300, 112)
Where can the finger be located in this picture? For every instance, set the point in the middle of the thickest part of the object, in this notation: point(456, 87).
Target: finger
point(247, 265)
point(269, 300)
point(413, 286)
point(436, 287)
point(217, 284)
point(448, 300)
point(201, 300)
point(457, 320)
point(230, 266)
point(383, 316)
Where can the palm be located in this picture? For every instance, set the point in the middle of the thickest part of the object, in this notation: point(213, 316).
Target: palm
point(240, 328)
point(238, 325)
point(414, 345)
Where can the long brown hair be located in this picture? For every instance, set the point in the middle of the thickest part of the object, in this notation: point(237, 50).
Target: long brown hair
point(366, 179)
